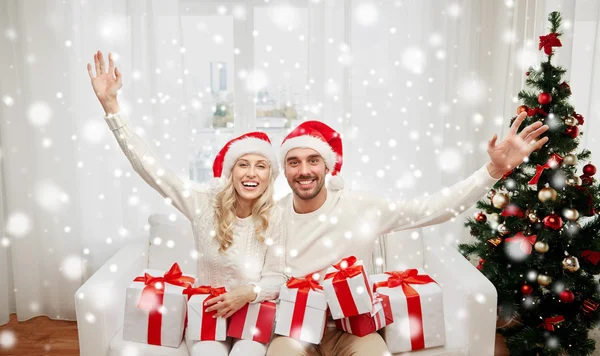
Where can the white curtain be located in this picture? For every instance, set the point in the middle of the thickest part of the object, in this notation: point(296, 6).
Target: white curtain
point(416, 87)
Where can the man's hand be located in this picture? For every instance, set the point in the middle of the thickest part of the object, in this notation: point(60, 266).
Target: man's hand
point(232, 301)
point(106, 82)
point(514, 148)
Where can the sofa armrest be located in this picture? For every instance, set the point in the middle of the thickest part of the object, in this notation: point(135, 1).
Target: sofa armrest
point(472, 296)
point(100, 301)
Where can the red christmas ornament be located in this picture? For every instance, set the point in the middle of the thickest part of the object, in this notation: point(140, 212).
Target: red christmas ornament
point(553, 222)
point(480, 265)
point(549, 41)
point(589, 170)
point(527, 74)
point(522, 108)
point(572, 131)
point(566, 86)
point(526, 289)
point(566, 296)
point(480, 217)
point(544, 98)
point(579, 118)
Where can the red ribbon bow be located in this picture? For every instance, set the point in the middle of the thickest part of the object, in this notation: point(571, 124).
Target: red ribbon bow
point(550, 322)
point(549, 41)
point(525, 241)
point(404, 279)
point(592, 257)
point(346, 268)
point(512, 210)
point(306, 283)
point(155, 286)
point(553, 161)
point(213, 292)
point(590, 200)
point(153, 295)
point(533, 111)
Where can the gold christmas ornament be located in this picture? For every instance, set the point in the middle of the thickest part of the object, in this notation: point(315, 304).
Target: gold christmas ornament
point(571, 214)
point(500, 200)
point(541, 247)
point(571, 264)
point(546, 194)
point(503, 230)
point(495, 241)
point(573, 181)
point(570, 121)
point(570, 160)
point(544, 280)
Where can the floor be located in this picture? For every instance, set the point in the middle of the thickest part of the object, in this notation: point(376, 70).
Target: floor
point(39, 336)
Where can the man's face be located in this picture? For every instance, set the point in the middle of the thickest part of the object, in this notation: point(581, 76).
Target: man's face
point(305, 172)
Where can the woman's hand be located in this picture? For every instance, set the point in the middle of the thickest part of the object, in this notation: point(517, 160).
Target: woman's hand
point(106, 82)
point(232, 301)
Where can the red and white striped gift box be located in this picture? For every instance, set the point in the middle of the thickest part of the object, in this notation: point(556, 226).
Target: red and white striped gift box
point(348, 289)
point(364, 324)
point(253, 322)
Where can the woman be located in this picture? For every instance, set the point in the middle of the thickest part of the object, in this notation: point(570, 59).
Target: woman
point(237, 226)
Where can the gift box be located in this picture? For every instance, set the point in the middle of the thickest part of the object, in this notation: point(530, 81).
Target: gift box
point(253, 322)
point(417, 307)
point(364, 324)
point(302, 313)
point(202, 325)
point(348, 289)
point(155, 309)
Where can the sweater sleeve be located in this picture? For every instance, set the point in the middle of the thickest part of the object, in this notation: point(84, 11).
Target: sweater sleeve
point(273, 272)
point(387, 215)
point(184, 195)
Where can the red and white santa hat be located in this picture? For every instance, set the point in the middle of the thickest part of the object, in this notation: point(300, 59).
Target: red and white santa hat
point(321, 138)
point(251, 142)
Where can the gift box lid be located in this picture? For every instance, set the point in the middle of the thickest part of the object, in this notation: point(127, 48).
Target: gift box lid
point(316, 298)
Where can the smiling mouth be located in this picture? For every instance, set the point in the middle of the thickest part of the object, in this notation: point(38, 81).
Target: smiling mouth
point(250, 184)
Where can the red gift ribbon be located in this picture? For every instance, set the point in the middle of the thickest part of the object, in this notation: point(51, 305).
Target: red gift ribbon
point(208, 330)
point(304, 286)
point(550, 322)
point(342, 288)
point(153, 295)
point(525, 241)
point(264, 322)
point(549, 41)
point(404, 279)
point(553, 161)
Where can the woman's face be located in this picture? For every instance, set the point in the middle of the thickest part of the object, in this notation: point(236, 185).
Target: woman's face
point(250, 176)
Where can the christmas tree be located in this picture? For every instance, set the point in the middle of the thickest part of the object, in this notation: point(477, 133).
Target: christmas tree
point(537, 232)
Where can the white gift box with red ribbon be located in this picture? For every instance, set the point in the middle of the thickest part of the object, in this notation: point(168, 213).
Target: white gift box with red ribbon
point(202, 325)
point(302, 310)
point(155, 309)
point(348, 289)
point(417, 307)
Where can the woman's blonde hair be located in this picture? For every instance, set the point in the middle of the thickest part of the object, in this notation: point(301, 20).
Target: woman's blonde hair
point(225, 211)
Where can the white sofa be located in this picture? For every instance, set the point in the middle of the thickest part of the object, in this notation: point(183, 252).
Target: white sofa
point(469, 298)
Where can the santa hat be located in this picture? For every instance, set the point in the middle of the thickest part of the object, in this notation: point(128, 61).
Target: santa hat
point(251, 142)
point(321, 138)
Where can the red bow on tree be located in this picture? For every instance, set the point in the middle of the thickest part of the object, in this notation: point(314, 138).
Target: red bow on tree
point(550, 322)
point(592, 257)
point(549, 41)
point(533, 111)
point(553, 162)
point(525, 241)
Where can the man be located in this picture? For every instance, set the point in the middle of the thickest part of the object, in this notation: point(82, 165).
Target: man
point(326, 225)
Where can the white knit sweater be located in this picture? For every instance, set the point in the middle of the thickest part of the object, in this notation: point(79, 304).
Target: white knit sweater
point(349, 222)
point(247, 261)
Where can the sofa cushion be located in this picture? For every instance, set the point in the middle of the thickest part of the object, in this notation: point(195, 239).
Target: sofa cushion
point(171, 240)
